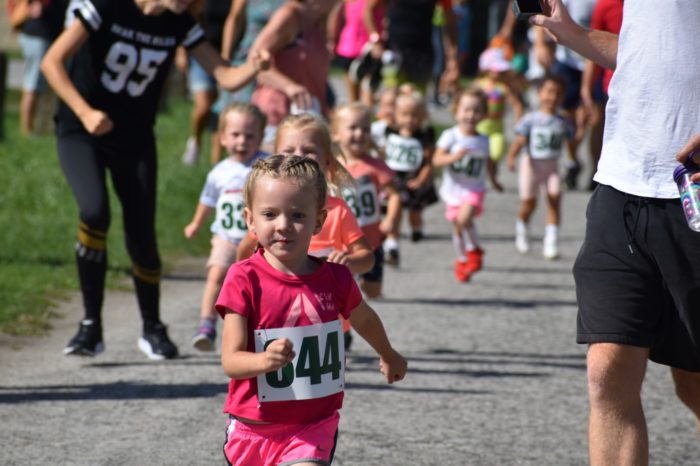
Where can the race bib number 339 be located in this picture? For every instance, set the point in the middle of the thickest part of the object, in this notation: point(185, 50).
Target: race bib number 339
point(318, 368)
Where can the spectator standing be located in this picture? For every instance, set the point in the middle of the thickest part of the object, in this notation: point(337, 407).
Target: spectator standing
point(638, 271)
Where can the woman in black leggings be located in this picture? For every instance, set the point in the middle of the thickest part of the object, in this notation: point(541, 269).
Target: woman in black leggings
point(121, 53)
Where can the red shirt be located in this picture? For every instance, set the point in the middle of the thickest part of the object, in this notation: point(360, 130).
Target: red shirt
point(380, 175)
point(265, 296)
point(607, 16)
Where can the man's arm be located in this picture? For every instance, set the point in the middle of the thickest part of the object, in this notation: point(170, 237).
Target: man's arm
point(599, 46)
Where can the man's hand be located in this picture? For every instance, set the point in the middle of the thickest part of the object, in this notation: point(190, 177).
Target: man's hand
point(689, 152)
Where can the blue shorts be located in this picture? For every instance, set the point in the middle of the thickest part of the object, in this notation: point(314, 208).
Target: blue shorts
point(198, 79)
point(572, 78)
point(33, 50)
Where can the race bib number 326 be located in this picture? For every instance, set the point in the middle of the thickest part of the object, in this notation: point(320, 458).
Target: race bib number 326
point(318, 368)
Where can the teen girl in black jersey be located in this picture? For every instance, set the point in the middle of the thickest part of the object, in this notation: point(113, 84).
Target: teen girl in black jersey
point(120, 52)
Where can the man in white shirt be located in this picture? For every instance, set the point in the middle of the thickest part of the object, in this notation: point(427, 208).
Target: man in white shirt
point(638, 271)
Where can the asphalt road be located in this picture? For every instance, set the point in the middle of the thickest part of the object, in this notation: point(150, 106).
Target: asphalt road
point(495, 377)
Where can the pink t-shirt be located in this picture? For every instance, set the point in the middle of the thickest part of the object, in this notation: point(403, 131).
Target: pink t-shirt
point(265, 296)
point(339, 230)
point(380, 175)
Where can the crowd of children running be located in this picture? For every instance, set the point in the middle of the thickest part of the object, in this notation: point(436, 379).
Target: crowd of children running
point(310, 196)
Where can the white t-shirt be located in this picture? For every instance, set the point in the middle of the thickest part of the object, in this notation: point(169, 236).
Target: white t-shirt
point(223, 191)
point(468, 174)
point(654, 106)
point(378, 132)
point(545, 134)
point(580, 11)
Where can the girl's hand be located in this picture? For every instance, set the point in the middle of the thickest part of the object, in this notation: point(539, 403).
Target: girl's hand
point(278, 354)
point(460, 154)
point(393, 367)
point(510, 162)
point(299, 95)
point(96, 122)
point(338, 257)
point(413, 184)
point(191, 230)
point(260, 60)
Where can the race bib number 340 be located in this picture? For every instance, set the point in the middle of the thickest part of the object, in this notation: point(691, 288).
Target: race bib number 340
point(318, 368)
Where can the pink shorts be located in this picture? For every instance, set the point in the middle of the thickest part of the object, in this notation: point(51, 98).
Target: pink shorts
point(471, 198)
point(281, 444)
point(223, 252)
point(535, 173)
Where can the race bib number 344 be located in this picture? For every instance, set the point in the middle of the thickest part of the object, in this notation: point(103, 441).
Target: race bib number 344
point(318, 368)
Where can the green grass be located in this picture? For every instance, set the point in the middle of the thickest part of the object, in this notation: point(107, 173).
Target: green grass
point(38, 219)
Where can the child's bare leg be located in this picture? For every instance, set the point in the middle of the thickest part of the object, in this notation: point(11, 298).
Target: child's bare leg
point(415, 219)
point(553, 209)
point(371, 289)
point(527, 208)
point(215, 278)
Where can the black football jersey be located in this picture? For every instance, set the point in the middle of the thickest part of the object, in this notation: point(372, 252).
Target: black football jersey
point(122, 67)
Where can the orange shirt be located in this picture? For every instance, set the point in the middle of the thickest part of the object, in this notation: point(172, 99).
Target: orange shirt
point(339, 230)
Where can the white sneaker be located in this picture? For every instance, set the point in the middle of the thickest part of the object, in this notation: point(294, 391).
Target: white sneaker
point(191, 154)
point(550, 248)
point(522, 243)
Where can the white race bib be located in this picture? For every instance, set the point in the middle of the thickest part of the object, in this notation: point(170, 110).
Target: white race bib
point(403, 154)
point(229, 216)
point(318, 368)
point(545, 143)
point(364, 201)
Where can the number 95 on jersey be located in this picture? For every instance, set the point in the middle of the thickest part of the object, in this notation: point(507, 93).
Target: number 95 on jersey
point(318, 368)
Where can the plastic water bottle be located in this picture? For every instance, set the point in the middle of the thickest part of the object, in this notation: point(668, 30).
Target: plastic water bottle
point(690, 193)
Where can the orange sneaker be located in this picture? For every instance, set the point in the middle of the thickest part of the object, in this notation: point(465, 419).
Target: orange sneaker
point(461, 272)
point(474, 260)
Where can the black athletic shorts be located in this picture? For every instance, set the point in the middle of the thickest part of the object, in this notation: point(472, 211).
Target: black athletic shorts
point(376, 274)
point(638, 277)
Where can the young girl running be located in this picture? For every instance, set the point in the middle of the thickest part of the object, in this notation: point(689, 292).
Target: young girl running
point(465, 155)
point(118, 55)
point(351, 130)
point(543, 134)
point(341, 239)
point(241, 129)
point(282, 348)
point(409, 151)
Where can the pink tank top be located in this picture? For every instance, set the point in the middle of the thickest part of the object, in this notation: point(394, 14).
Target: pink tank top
point(354, 35)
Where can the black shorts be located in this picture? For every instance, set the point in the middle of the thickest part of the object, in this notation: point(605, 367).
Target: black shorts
point(376, 274)
point(418, 199)
point(649, 298)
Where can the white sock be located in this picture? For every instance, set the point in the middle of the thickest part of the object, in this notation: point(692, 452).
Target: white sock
point(551, 230)
point(471, 238)
point(390, 243)
point(520, 227)
point(458, 243)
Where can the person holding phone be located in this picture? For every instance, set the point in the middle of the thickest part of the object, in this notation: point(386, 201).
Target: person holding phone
point(638, 272)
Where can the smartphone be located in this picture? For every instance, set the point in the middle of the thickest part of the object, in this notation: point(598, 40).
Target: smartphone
point(523, 9)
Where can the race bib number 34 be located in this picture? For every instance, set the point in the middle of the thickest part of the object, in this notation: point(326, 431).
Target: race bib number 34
point(318, 369)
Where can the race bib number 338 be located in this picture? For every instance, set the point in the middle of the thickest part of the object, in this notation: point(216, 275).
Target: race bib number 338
point(318, 368)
